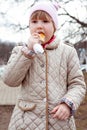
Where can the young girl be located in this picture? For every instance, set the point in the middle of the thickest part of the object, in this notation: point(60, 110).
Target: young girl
point(52, 84)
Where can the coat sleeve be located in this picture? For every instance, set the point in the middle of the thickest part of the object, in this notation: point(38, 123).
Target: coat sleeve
point(16, 68)
point(75, 81)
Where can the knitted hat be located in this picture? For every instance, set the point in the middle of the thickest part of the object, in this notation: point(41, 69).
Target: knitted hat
point(47, 6)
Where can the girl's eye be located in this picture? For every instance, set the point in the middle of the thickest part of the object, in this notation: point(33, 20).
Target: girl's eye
point(46, 21)
point(34, 21)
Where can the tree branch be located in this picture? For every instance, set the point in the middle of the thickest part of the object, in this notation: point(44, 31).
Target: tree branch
point(77, 20)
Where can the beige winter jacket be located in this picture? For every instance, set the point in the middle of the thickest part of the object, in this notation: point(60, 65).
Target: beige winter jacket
point(46, 80)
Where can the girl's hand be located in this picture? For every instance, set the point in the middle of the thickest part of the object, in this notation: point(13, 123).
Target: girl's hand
point(33, 39)
point(62, 111)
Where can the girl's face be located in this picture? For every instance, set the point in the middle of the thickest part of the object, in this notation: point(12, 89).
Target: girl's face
point(41, 22)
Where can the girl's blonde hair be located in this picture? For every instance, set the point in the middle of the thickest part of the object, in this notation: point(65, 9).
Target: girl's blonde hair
point(42, 15)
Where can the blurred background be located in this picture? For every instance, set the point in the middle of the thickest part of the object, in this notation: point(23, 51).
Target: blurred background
point(14, 29)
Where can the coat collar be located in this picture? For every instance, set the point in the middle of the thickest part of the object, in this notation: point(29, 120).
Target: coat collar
point(54, 44)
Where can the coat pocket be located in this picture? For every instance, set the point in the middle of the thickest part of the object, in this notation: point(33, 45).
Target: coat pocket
point(26, 105)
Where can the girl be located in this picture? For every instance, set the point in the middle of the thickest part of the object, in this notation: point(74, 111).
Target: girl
point(52, 84)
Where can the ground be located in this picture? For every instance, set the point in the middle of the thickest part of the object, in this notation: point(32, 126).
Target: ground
point(80, 117)
point(5, 114)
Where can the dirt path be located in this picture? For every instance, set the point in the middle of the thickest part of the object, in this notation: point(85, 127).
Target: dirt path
point(81, 116)
point(5, 114)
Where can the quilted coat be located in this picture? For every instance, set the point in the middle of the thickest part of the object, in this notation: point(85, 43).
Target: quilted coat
point(46, 80)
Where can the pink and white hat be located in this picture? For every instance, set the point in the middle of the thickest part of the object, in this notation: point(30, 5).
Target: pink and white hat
point(50, 7)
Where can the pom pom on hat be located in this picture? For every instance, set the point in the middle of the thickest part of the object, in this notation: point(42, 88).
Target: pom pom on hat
point(50, 7)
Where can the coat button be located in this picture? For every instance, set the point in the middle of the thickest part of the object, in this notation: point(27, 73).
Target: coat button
point(42, 65)
point(42, 81)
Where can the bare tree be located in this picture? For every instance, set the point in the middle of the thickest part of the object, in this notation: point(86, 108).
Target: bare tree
point(76, 27)
point(73, 20)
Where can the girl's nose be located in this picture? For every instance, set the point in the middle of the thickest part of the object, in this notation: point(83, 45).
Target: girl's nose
point(40, 24)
